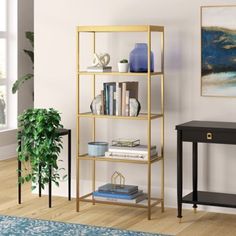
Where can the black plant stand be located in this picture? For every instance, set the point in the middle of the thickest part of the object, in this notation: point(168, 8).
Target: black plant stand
point(61, 132)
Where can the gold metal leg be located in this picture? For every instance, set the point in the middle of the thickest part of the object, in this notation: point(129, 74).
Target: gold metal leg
point(94, 122)
point(94, 178)
point(162, 206)
point(149, 134)
point(77, 186)
point(77, 132)
point(195, 210)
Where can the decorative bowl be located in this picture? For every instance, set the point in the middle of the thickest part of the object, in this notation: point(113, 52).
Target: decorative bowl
point(97, 148)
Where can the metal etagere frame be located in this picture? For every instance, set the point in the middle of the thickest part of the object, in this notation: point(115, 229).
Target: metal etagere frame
point(148, 117)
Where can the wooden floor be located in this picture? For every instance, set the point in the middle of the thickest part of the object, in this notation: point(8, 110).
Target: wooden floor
point(201, 223)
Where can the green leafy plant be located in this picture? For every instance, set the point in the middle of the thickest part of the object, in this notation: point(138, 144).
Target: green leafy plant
point(40, 146)
point(124, 61)
point(21, 80)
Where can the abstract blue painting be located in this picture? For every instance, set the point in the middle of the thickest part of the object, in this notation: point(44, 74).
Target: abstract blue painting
point(218, 51)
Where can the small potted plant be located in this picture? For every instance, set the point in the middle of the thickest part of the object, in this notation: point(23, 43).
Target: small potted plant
point(123, 65)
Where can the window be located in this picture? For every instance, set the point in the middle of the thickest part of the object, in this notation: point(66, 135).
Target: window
point(3, 63)
point(8, 63)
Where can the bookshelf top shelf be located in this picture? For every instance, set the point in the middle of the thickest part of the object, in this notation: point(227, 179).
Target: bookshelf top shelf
point(116, 73)
point(121, 28)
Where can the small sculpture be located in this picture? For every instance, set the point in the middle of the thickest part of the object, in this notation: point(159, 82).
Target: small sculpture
point(117, 175)
point(96, 105)
point(134, 107)
point(101, 60)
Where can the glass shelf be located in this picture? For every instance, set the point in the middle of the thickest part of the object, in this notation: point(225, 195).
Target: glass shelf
point(141, 116)
point(143, 204)
point(116, 73)
point(109, 159)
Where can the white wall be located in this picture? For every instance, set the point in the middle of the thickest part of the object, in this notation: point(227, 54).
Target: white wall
point(55, 83)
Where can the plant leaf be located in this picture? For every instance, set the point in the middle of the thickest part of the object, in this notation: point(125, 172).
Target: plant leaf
point(20, 81)
point(30, 36)
point(30, 54)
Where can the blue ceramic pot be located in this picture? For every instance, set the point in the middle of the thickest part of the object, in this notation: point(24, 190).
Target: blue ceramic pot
point(97, 148)
point(139, 60)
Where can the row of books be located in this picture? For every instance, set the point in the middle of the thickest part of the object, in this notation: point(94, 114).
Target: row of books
point(116, 97)
point(139, 152)
point(119, 193)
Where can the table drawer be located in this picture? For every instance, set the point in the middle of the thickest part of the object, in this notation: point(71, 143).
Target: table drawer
point(208, 136)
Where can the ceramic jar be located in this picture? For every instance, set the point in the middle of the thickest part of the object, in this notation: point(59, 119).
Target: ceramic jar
point(139, 60)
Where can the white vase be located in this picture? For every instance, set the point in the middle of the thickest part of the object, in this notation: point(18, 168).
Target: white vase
point(123, 67)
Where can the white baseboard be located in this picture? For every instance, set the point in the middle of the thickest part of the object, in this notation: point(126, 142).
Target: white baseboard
point(8, 152)
point(170, 196)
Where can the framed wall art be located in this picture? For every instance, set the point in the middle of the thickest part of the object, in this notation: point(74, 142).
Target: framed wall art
point(218, 51)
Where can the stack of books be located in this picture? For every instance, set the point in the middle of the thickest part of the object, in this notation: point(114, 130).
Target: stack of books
point(119, 193)
point(139, 152)
point(116, 98)
point(99, 68)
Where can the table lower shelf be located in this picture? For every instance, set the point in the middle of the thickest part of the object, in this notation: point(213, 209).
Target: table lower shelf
point(142, 204)
point(211, 199)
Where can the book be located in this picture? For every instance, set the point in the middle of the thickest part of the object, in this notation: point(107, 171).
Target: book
point(109, 90)
point(130, 156)
point(111, 99)
point(102, 100)
point(117, 195)
point(127, 102)
point(123, 99)
point(112, 188)
point(135, 200)
point(99, 69)
point(132, 87)
point(118, 99)
point(105, 92)
point(140, 149)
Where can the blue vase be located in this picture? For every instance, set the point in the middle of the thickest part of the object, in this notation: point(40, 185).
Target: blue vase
point(139, 60)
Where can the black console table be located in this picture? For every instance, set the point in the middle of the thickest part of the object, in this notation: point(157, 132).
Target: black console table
point(61, 132)
point(202, 132)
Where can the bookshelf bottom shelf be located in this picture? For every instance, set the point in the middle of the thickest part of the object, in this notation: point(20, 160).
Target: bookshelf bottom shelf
point(142, 204)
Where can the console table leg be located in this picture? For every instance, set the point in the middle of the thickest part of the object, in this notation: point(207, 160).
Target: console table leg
point(195, 174)
point(50, 188)
point(179, 172)
point(19, 175)
point(69, 164)
point(40, 188)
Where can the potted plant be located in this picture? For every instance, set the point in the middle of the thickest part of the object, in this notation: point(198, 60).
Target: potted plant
point(39, 144)
point(123, 66)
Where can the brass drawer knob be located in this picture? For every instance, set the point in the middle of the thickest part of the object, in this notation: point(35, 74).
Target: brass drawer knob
point(209, 136)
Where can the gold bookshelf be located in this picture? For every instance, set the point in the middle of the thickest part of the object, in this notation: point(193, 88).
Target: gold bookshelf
point(147, 117)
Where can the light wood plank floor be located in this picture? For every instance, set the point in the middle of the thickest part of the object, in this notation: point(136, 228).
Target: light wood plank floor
point(202, 223)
